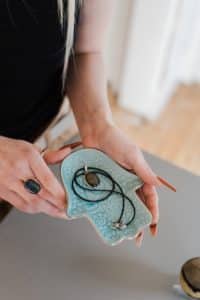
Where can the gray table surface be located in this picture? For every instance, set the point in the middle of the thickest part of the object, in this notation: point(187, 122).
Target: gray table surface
point(43, 258)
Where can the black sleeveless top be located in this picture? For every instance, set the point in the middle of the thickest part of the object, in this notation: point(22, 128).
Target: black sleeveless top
point(32, 49)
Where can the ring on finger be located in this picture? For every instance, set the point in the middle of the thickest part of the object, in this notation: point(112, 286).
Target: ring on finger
point(32, 186)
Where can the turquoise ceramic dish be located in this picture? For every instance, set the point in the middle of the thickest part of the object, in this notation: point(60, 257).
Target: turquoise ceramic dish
point(104, 214)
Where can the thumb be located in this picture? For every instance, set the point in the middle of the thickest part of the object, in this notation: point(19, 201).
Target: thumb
point(56, 156)
point(141, 168)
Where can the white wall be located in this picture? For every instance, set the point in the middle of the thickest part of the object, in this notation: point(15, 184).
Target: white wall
point(153, 46)
point(114, 54)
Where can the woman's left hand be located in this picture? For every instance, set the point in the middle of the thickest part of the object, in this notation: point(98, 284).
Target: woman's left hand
point(117, 145)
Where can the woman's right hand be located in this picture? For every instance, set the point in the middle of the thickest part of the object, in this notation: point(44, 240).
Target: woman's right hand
point(21, 160)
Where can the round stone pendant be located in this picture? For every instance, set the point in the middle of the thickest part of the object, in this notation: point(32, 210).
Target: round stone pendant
point(92, 179)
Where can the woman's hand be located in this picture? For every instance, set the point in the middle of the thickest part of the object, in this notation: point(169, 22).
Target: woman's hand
point(116, 144)
point(19, 161)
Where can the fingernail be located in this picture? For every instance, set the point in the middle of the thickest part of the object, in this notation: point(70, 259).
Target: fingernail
point(157, 181)
point(76, 144)
point(72, 146)
point(139, 243)
point(166, 183)
point(63, 216)
point(64, 206)
point(65, 147)
point(139, 240)
point(154, 230)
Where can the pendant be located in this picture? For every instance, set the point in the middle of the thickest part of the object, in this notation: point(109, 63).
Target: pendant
point(91, 178)
point(118, 225)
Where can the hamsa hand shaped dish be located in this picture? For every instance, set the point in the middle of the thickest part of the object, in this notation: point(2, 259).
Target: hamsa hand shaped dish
point(104, 192)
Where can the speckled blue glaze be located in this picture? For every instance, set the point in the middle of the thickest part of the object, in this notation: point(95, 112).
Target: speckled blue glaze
point(103, 213)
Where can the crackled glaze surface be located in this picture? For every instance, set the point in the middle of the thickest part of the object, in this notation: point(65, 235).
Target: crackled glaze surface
point(103, 214)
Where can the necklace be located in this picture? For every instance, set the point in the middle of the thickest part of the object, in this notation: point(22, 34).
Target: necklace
point(92, 178)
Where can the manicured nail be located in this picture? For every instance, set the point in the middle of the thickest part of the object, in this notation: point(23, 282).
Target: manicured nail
point(154, 229)
point(64, 206)
point(166, 183)
point(43, 151)
point(76, 144)
point(72, 145)
point(157, 181)
point(139, 239)
point(63, 216)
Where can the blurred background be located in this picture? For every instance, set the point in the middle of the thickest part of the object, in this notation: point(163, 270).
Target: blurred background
point(153, 67)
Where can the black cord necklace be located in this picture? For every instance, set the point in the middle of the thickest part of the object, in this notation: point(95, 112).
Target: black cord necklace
point(92, 179)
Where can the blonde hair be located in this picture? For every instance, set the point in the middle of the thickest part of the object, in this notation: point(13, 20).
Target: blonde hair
point(71, 12)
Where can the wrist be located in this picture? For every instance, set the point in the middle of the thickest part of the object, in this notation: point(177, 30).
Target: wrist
point(91, 132)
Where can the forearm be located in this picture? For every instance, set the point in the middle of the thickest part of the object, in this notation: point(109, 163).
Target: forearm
point(86, 86)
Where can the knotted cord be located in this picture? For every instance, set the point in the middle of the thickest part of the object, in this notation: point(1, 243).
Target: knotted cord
point(95, 172)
